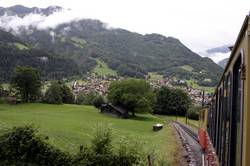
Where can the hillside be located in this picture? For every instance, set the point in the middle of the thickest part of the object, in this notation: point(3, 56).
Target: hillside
point(129, 54)
point(14, 52)
point(223, 62)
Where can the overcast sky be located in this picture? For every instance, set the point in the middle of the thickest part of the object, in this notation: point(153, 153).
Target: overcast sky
point(199, 24)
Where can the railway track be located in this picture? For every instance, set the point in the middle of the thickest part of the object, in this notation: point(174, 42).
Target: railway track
point(190, 143)
point(190, 132)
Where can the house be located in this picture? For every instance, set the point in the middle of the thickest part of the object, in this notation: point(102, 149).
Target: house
point(118, 111)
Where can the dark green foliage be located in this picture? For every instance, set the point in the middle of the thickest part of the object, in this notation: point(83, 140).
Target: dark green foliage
point(91, 98)
point(27, 82)
point(98, 101)
point(193, 112)
point(58, 93)
point(22, 146)
point(171, 101)
point(134, 94)
point(67, 95)
point(101, 142)
point(102, 153)
point(49, 66)
point(1, 90)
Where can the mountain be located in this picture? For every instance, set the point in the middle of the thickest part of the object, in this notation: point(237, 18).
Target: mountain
point(218, 54)
point(14, 52)
point(21, 11)
point(131, 54)
point(223, 62)
point(221, 49)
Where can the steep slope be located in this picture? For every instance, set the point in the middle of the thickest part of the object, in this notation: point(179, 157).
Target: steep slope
point(130, 54)
point(14, 52)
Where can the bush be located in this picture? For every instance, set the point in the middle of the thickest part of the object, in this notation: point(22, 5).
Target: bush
point(102, 152)
point(22, 146)
point(91, 99)
point(193, 112)
point(58, 93)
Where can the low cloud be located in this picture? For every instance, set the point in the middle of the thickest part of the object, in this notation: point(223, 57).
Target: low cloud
point(216, 57)
point(39, 21)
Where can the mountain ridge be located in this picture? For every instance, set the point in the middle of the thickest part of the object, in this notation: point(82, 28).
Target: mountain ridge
point(21, 10)
point(129, 53)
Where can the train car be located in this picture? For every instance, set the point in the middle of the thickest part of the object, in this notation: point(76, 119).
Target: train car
point(227, 119)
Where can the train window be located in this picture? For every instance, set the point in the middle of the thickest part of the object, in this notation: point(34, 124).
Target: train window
point(215, 121)
point(223, 121)
point(220, 121)
point(236, 115)
point(219, 110)
point(227, 105)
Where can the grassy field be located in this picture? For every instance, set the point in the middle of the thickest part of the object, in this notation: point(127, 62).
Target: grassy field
point(103, 69)
point(196, 86)
point(69, 126)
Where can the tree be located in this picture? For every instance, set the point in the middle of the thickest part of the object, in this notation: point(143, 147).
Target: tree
point(1, 90)
point(171, 101)
point(54, 94)
point(27, 82)
point(134, 94)
point(67, 95)
point(59, 93)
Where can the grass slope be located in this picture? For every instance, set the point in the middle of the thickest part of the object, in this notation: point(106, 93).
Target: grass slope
point(103, 69)
point(21, 46)
point(187, 68)
point(69, 126)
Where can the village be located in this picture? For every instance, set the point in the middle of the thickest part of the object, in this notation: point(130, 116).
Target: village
point(100, 84)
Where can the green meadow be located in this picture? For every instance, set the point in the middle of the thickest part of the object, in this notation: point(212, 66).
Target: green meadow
point(69, 126)
point(103, 69)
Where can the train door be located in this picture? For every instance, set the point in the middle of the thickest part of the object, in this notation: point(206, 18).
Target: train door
point(236, 126)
